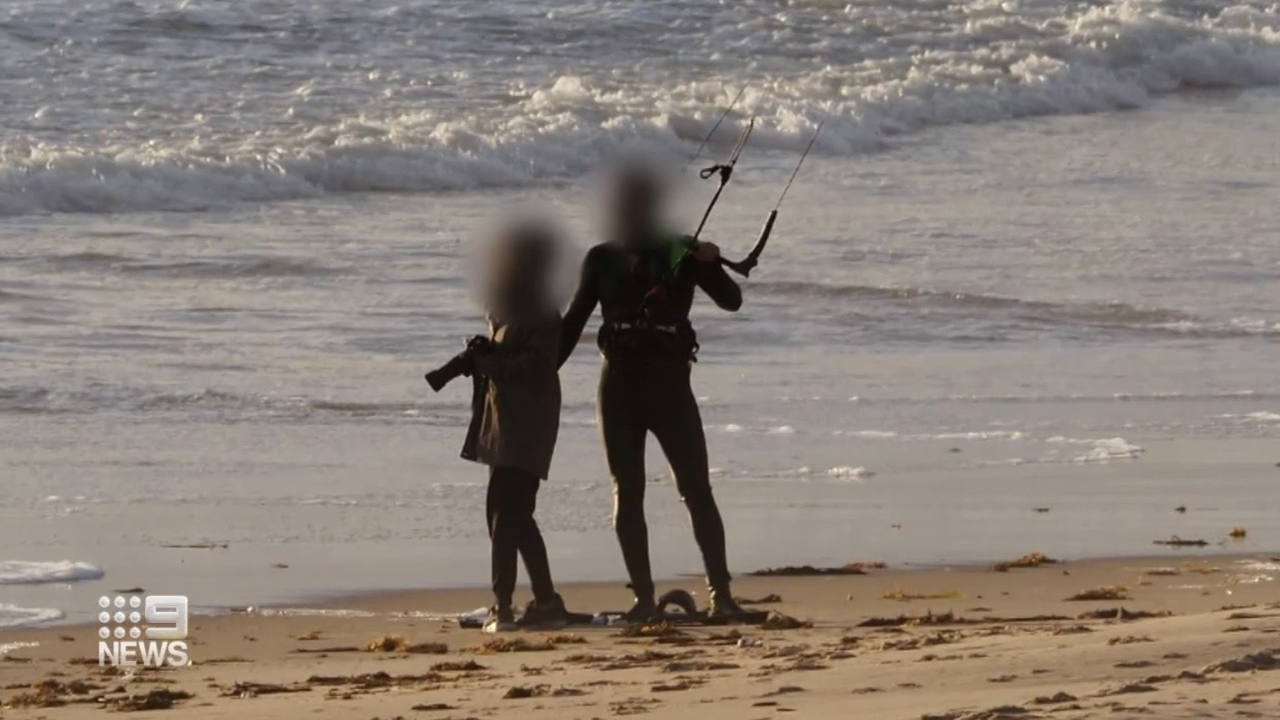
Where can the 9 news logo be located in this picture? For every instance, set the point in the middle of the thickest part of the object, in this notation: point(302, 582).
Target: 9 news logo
point(126, 641)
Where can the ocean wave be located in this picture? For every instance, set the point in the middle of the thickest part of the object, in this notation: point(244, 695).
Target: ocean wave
point(1031, 314)
point(306, 123)
point(12, 616)
point(97, 397)
point(1102, 450)
point(201, 269)
point(950, 435)
point(37, 400)
point(22, 572)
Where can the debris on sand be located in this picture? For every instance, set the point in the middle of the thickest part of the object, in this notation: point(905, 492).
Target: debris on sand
point(939, 637)
point(1114, 592)
point(1162, 572)
point(369, 681)
point(811, 571)
point(1058, 697)
point(995, 713)
point(458, 666)
point(1032, 560)
point(929, 618)
point(565, 639)
point(159, 699)
point(309, 636)
point(1041, 509)
point(520, 692)
point(1265, 660)
point(648, 658)
point(1119, 613)
point(677, 686)
point(1176, 541)
point(428, 648)
point(586, 659)
point(395, 643)
point(52, 693)
point(1130, 640)
point(766, 600)
point(897, 593)
point(506, 645)
point(1238, 533)
point(253, 689)
point(784, 690)
point(386, 643)
point(685, 666)
point(433, 707)
point(1128, 689)
point(660, 631)
point(778, 621)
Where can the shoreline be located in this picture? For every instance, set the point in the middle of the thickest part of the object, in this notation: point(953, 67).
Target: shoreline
point(950, 642)
point(362, 600)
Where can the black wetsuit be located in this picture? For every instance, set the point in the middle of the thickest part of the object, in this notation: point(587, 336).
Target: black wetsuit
point(644, 386)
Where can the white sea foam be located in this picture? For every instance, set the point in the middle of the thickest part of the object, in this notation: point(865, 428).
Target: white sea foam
point(870, 434)
point(20, 572)
point(1111, 449)
point(312, 612)
point(12, 616)
point(477, 614)
point(958, 435)
point(1260, 565)
point(850, 473)
point(6, 648)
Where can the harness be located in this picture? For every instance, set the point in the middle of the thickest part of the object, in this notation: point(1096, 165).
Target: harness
point(645, 339)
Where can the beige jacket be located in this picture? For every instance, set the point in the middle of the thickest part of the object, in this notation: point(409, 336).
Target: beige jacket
point(516, 408)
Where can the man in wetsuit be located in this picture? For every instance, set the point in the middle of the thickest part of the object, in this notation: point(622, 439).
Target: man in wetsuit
point(644, 279)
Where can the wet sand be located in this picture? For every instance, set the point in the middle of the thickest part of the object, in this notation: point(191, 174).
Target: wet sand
point(1174, 637)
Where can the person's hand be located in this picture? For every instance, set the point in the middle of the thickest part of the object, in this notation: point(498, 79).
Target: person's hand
point(480, 344)
point(707, 252)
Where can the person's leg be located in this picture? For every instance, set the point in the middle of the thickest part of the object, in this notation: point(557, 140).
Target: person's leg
point(505, 530)
point(679, 431)
point(533, 550)
point(623, 430)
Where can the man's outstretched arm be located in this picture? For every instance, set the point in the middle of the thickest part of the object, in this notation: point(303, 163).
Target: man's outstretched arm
point(584, 303)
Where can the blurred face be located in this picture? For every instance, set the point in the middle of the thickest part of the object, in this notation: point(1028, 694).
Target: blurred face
point(522, 263)
point(635, 204)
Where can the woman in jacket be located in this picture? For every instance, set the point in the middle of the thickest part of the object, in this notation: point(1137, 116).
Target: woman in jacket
point(516, 416)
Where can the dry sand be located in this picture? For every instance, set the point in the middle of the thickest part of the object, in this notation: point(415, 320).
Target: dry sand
point(1011, 647)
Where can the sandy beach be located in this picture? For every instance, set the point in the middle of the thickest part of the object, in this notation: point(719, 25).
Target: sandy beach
point(1170, 637)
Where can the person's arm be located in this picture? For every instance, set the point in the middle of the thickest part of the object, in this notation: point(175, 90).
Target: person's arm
point(713, 279)
point(584, 304)
point(527, 351)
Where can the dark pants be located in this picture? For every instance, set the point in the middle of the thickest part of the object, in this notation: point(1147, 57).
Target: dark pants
point(512, 498)
point(638, 397)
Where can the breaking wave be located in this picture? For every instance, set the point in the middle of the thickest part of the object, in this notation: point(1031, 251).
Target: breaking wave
point(271, 106)
point(22, 572)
